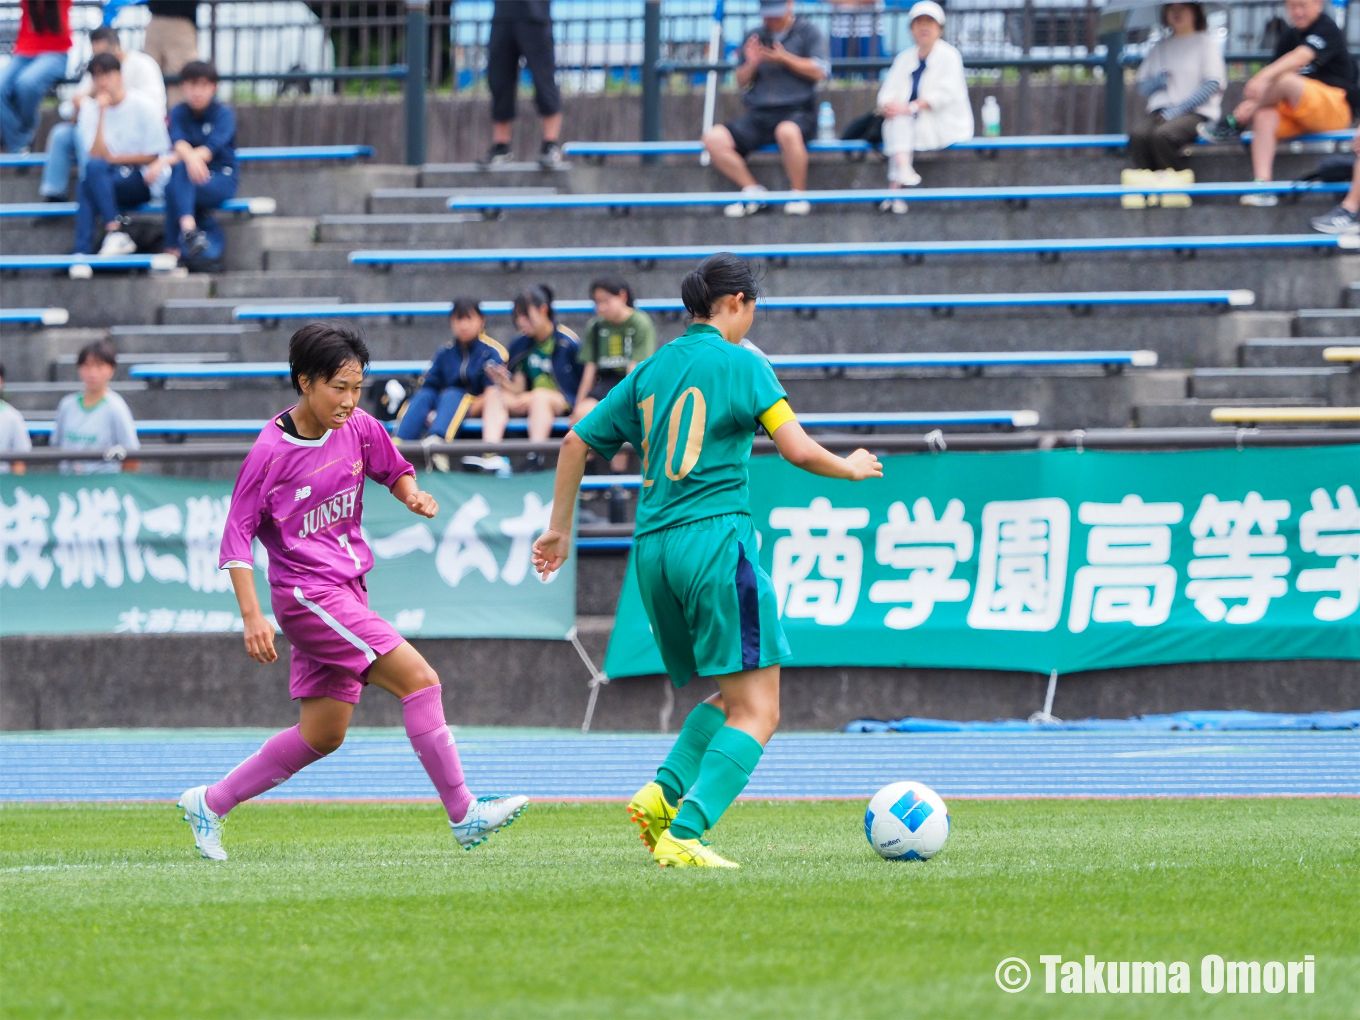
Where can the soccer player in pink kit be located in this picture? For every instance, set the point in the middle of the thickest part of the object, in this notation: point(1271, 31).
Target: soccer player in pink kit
point(300, 492)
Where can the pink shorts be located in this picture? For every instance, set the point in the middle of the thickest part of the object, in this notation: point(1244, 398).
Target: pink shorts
point(335, 638)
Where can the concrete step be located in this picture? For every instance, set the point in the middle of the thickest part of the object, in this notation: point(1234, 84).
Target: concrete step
point(1327, 322)
point(180, 335)
point(428, 200)
point(1282, 281)
point(1261, 383)
point(218, 310)
point(937, 169)
point(64, 369)
point(429, 224)
point(1279, 352)
point(1197, 413)
point(105, 300)
point(28, 357)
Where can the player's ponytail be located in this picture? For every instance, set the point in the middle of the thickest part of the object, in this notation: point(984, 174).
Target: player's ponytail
point(538, 296)
point(716, 277)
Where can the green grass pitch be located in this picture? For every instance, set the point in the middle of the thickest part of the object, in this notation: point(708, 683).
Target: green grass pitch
point(371, 910)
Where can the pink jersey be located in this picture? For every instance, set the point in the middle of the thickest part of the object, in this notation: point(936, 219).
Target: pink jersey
point(304, 500)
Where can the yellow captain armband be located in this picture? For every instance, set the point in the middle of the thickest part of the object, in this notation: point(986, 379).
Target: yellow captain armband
point(780, 414)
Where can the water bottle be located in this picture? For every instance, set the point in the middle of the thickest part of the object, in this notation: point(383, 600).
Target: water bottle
point(991, 117)
point(826, 123)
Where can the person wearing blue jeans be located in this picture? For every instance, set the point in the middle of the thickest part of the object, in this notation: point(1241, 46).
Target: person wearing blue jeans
point(125, 136)
point(203, 167)
point(23, 84)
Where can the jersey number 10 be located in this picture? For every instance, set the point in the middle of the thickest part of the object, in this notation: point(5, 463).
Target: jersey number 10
point(694, 439)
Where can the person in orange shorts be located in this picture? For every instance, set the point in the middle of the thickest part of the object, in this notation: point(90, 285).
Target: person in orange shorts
point(1309, 87)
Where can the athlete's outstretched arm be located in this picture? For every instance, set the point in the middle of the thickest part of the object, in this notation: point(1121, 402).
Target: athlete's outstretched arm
point(554, 545)
point(259, 634)
point(416, 500)
point(801, 450)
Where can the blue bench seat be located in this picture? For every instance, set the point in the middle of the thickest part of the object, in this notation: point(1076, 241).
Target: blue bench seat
point(158, 263)
point(35, 316)
point(602, 150)
point(519, 426)
point(809, 303)
point(56, 210)
point(1051, 247)
point(861, 196)
point(257, 154)
point(161, 371)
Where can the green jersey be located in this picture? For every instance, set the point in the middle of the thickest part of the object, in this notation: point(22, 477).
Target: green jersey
point(691, 411)
point(612, 346)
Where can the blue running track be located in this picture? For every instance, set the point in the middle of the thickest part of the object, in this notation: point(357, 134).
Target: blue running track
point(93, 765)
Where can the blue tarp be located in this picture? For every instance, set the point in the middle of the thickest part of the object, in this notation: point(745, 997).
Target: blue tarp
point(1199, 721)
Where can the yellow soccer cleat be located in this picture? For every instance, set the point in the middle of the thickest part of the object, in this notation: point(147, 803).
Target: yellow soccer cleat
point(688, 853)
point(653, 815)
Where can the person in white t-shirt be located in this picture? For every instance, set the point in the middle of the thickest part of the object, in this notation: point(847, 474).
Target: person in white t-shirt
point(13, 434)
point(97, 418)
point(123, 133)
point(141, 76)
point(1182, 78)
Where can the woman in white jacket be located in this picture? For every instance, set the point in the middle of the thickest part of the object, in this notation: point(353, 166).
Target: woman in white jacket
point(924, 101)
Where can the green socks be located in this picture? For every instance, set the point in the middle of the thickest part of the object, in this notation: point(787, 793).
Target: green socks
point(726, 768)
point(681, 767)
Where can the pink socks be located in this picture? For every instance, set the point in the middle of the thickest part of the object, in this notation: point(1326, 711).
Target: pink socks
point(423, 713)
point(282, 756)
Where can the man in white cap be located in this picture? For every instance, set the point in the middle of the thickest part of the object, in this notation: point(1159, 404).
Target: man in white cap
point(781, 67)
point(924, 100)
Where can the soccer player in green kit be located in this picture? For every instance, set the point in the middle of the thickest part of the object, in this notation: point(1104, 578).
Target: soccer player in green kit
point(691, 411)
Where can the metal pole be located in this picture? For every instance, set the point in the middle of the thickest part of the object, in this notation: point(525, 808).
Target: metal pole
point(417, 38)
point(651, 74)
point(1114, 82)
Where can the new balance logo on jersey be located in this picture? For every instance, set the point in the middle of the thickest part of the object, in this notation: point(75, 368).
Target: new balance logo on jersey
point(335, 509)
point(302, 493)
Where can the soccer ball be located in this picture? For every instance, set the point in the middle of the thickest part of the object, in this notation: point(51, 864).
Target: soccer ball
point(906, 822)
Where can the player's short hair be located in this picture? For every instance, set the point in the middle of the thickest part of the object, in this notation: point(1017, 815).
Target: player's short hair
point(537, 296)
point(99, 350)
point(105, 34)
point(2, 369)
point(198, 70)
point(103, 63)
point(715, 277)
point(319, 349)
point(466, 308)
point(615, 285)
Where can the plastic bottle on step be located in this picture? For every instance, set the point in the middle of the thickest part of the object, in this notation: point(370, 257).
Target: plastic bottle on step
point(826, 123)
point(991, 117)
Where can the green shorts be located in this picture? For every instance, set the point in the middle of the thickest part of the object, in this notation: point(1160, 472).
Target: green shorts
point(712, 609)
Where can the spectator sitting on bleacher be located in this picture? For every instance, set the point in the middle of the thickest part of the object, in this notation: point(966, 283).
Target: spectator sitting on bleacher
point(1182, 77)
point(203, 168)
point(1344, 218)
point(141, 75)
point(924, 101)
point(458, 386)
point(37, 62)
point(542, 375)
point(98, 418)
point(616, 339)
point(1309, 86)
point(13, 433)
point(780, 69)
point(124, 135)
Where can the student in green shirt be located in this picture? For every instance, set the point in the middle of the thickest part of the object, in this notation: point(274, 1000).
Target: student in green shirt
point(691, 411)
point(616, 339)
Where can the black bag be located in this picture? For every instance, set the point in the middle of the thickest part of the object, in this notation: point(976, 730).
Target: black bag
point(1332, 170)
point(868, 128)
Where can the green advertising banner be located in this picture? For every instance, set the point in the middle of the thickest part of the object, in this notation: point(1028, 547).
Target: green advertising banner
point(1060, 559)
point(138, 554)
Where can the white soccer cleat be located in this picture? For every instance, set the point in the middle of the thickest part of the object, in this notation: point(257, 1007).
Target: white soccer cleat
point(207, 825)
point(485, 816)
